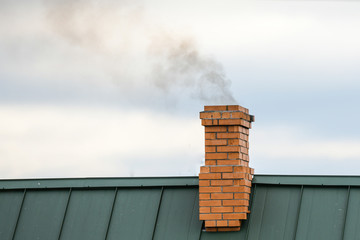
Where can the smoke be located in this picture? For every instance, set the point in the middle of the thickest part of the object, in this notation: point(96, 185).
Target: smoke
point(118, 31)
point(180, 64)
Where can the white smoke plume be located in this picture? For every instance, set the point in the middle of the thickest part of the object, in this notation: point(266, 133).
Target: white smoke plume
point(118, 30)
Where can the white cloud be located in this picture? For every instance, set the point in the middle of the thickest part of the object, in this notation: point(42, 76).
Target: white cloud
point(55, 141)
point(289, 150)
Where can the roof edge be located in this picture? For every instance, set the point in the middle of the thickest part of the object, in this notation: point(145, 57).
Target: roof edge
point(97, 182)
point(315, 180)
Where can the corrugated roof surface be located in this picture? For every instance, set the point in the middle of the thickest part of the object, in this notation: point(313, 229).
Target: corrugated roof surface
point(282, 207)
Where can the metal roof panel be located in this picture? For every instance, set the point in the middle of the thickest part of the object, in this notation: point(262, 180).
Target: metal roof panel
point(38, 208)
point(176, 218)
point(274, 210)
point(10, 205)
point(134, 213)
point(352, 224)
point(88, 214)
point(322, 213)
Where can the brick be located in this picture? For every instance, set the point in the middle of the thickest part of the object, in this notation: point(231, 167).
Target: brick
point(221, 182)
point(222, 209)
point(216, 156)
point(210, 223)
point(221, 142)
point(211, 229)
point(207, 122)
point(234, 223)
point(210, 149)
point(229, 135)
point(226, 114)
point(237, 189)
point(245, 123)
point(237, 107)
point(204, 210)
point(241, 169)
point(222, 195)
point(204, 169)
point(211, 216)
point(230, 121)
point(240, 115)
point(210, 135)
point(233, 107)
point(210, 115)
point(217, 169)
point(227, 229)
point(204, 196)
point(248, 118)
point(208, 203)
point(240, 209)
point(234, 141)
point(243, 196)
point(246, 182)
point(235, 155)
point(244, 150)
point(235, 202)
point(234, 216)
point(216, 129)
point(242, 182)
point(210, 162)
point(228, 162)
point(228, 148)
point(245, 110)
point(222, 223)
point(238, 182)
point(234, 129)
point(233, 175)
point(209, 189)
point(209, 176)
point(204, 183)
point(216, 108)
point(243, 137)
point(244, 163)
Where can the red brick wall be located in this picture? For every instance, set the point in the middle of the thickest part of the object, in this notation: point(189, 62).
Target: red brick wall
point(225, 180)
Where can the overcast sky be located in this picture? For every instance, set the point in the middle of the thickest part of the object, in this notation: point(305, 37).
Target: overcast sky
point(114, 88)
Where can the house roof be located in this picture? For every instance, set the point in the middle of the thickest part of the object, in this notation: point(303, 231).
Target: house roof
point(282, 207)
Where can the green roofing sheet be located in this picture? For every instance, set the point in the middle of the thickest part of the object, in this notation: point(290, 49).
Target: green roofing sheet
point(282, 207)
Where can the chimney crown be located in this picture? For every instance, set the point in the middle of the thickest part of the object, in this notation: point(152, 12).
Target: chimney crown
point(226, 115)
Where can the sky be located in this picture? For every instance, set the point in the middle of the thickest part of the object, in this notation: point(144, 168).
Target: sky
point(114, 88)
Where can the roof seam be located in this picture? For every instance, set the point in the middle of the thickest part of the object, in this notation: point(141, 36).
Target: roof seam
point(19, 214)
point(298, 211)
point(157, 213)
point(64, 216)
point(111, 213)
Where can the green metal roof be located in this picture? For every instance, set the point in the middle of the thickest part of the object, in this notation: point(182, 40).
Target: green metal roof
point(282, 207)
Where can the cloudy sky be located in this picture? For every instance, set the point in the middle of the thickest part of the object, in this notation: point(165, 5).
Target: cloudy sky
point(114, 88)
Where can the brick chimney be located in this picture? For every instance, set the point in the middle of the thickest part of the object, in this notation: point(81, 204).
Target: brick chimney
point(225, 180)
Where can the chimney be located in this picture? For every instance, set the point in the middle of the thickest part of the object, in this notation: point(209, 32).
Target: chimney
point(225, 180)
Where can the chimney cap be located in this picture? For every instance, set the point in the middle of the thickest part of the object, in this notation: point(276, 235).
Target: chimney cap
point(226, 115)
point(226, 108)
